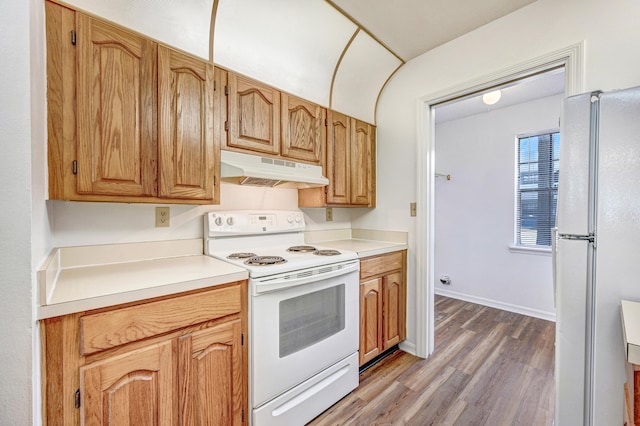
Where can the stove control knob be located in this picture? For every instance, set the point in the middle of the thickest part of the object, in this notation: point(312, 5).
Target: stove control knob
point(218, 221)
point(230, 221)
point(290, 219)
point(298, 218)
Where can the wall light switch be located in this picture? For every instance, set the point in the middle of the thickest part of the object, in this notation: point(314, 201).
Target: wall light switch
point(329, 214)
point(412, 209)
point(162, 217)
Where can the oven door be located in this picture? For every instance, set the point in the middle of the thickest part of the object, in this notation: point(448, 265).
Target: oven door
point(300, 330)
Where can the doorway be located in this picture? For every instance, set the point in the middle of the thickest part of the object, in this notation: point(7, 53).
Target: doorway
point(568, 59)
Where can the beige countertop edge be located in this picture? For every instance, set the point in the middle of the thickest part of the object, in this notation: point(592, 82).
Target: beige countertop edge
point(69, 307)
point(630, 313)
point(365, 248)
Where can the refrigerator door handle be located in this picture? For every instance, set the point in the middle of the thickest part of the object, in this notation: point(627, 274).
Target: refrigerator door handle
point(554, 261)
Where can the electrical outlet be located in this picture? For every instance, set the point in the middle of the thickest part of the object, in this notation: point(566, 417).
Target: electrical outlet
point(329, 214)
point(412, 209)
point(162, 217)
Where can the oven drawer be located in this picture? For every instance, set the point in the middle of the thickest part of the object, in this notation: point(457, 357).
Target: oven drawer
point(376, 265)
point(109, 329)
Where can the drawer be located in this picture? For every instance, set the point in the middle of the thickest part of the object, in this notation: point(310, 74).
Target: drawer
point(376, 265)
point(106, 330)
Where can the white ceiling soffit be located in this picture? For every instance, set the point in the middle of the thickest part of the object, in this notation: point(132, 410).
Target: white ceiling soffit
point(182, 24)
point(362, 73)
point(412, 27)
point(525, 90)
point(292, 45)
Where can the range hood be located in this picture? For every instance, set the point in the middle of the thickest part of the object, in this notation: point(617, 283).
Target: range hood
point(248, 169)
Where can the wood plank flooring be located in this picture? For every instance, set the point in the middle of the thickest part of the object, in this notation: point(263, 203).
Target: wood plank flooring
point(489, 367)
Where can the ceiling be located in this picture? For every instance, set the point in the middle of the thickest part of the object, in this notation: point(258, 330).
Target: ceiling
point(524, 90)
point(411, 27)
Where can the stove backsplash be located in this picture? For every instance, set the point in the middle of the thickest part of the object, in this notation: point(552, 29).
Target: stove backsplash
point(82, 223)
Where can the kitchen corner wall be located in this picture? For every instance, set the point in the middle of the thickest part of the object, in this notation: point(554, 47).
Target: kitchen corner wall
point(81, 223)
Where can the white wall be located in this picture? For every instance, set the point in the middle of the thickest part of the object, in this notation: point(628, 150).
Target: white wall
point(16, 328)
point(474, 212)
point(611, 36)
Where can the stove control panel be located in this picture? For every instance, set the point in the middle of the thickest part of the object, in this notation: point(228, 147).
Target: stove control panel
point(252, 222)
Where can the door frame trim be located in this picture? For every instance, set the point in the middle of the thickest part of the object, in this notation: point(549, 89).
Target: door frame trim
point(572, 59)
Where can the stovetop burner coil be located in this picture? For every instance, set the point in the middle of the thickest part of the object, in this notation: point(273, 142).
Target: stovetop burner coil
point(326, 252)
point(265, 260)
point(241, 255)
point(301, 249)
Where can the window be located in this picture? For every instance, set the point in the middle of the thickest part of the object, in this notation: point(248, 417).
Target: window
point(537, 188)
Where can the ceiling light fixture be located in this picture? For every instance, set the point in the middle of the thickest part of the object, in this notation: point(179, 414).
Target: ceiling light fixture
point(491, 97)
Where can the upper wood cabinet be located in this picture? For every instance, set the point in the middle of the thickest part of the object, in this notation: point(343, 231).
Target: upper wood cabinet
point(303, 129)
point(185, 126)
point(129, 120)
point(263, 121)
point(254, 116)
point(350, 165)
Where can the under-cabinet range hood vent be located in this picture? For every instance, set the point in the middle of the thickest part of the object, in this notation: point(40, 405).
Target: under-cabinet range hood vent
point(248, 169)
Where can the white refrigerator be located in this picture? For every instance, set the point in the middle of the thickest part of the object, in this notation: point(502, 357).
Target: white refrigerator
point(597, 253)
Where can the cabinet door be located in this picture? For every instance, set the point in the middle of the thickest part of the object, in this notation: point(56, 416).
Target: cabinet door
point(303, 130)
point(254, 116)
point(370, 319)
point(393, 309)
point(211, 371)
point(116, 110)
point(362, 155)
point(186, 153)
point(137, 388)
point(338, 158)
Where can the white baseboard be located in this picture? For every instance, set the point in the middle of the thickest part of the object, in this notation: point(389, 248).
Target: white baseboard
point(408, 347)
point(549, 316)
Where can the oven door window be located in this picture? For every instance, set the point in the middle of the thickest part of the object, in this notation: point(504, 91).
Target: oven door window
point(310, 318)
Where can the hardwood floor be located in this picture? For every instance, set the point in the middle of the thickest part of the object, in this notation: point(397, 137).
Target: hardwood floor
point(489, 367)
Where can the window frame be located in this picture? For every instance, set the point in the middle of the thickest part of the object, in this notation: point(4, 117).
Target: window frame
point(516, 247)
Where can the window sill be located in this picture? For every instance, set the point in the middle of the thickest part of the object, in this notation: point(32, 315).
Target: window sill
point(540, 251)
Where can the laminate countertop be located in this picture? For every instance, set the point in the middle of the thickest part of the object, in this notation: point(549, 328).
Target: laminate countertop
point(75, 279)
point(364, 248)
point(365, 242)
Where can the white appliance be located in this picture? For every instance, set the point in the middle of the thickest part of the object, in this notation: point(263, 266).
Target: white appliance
point(597, 254)
point(303, 313)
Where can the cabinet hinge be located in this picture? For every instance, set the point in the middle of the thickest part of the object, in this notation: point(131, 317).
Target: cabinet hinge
point(74, 167)
point(78, 398)
point(243, 415)
point(73, 37)
point(214, 85)
point(242, 339)
point(226, 90)
point(326, 122)
point(226, 125)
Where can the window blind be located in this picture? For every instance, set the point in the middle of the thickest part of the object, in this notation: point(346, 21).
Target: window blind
point(537, 188)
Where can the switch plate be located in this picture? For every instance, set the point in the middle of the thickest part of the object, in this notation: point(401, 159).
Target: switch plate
point(162, 217)
point(412, 209)
point(329, 214)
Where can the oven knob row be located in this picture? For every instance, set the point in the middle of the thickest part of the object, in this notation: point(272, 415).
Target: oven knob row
point(218, 221)
point(291, 218)
point(230, 221)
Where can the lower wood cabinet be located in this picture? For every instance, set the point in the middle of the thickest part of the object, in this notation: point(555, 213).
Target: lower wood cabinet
point(382, 303)
point(179, 360)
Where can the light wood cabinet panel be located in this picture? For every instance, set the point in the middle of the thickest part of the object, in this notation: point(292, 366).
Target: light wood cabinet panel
point(382, 303)
point(303, 130)
point(393, 309)
point(214, 376)
point(116, 102)
point(338, 158)
point(370, 320)
point(136, 388)
point(350, 165)
point(362, 163)
point(254, 116)
point(186, 151)
point(172, 360)
point(107, 139)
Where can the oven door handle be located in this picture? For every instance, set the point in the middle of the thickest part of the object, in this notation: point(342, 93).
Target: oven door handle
point(297, 278)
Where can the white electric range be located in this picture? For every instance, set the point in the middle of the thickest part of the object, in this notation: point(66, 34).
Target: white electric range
point(303, 310)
